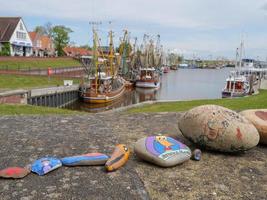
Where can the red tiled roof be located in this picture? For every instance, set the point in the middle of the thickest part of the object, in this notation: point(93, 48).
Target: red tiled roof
point(77, 51)
point(46, 42)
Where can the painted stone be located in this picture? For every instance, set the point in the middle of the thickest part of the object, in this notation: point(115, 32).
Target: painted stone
point(45, 165)
point(85, 159)
point(196, 155)
point(259, 119)
point(162, 151)
point(15, 172)
point(218, 128)
point(118, 158)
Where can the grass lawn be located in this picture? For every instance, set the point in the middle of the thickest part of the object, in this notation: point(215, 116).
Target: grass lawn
point(37, 63)
point(27, 82)
point(8, 109)
point(251, 102)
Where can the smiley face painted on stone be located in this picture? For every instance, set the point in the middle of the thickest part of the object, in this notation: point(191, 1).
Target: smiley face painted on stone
point(164, 147)
point(118, 158)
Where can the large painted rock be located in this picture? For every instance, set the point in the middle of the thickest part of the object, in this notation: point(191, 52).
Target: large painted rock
point(15, 172)
point(218, 128)
point(118, 158)
point(259, 119)
point(85, 159)
point(162, 151)
point(45, 165)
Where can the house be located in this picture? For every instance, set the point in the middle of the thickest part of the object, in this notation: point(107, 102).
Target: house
point(76, 51)
point(14, 37)
point(42, 45)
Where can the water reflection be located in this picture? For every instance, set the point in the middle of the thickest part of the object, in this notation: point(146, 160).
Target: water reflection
point(183, 84)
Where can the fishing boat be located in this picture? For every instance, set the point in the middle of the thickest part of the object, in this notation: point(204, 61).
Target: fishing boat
point(236, 86)
point(166, 69)
point(104, 84)
point(148, 78)
point(174, 67)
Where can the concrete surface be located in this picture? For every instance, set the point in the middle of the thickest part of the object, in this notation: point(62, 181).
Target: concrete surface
point(217, 176)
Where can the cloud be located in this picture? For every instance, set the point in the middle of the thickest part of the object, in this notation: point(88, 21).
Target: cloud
point(188, 25)
point(203, 14)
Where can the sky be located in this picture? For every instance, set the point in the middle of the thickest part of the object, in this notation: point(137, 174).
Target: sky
point(194, 28)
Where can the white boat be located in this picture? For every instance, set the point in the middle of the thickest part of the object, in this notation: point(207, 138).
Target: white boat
point(236, 86)
point(148, 78)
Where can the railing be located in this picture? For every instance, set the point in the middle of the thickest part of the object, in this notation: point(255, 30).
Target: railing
point(60, 71)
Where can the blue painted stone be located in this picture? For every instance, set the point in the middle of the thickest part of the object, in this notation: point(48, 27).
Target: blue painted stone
point(45, 165)
point(197, 155)
point(85, 159)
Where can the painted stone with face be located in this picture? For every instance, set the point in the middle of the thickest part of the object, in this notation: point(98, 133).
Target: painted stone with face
point(259, 119)
point(218, 128)
point(162, 151)
point(118, 158)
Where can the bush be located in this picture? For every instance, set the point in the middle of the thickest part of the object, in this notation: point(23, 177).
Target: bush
point(5, 49)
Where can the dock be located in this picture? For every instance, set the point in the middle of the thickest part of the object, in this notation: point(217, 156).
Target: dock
point(50, 97)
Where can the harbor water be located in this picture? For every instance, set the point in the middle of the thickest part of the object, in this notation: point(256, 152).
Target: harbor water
point(181, 84)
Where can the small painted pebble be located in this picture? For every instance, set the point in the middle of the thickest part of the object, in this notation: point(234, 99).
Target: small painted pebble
point(15, 172)
point(45, 165)
point(118, 158)
point(197, 154)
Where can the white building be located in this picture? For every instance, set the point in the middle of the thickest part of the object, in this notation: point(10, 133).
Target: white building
point(14, 32)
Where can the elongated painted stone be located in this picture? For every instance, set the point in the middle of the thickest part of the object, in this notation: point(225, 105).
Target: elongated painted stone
point(218, 128)
point(118, 158)
point(45, 165)
point(15, 172)
point(85, 159)
point(259, 119)
point(162, 151)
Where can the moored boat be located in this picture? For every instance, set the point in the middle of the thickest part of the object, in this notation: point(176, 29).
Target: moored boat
point(148, 78)
point(102, 87)
point(236, 86)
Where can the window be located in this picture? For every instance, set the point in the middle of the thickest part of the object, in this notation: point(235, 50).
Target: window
point(39, 43)
point(21, 35)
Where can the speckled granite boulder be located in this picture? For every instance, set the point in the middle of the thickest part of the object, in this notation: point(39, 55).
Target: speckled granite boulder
point(162, 151)
point(218, 128)
point(259, 119)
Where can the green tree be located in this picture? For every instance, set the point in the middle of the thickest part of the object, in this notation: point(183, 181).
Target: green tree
point(5, 49)
point(60, 35)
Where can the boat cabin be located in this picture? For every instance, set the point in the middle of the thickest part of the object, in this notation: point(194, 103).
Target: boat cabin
point(147, 73)
point(237, 84)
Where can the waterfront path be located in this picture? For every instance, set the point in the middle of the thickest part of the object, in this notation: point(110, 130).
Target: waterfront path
point(26, 138)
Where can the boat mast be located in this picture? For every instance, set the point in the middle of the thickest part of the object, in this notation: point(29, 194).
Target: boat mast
point(95, 58)
point(111, 54)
